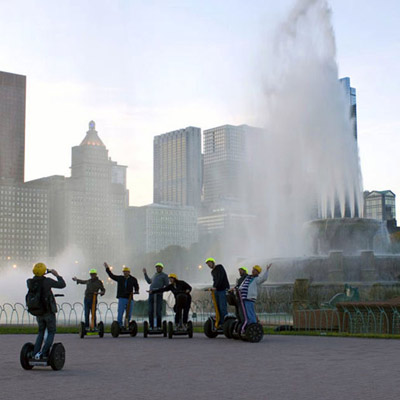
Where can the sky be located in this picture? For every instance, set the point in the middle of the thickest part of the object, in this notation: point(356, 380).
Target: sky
point(142, 68)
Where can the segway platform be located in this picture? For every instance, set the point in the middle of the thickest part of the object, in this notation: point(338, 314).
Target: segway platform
point(180, 332)
point(93, 329)
point(128, 329)
point(56, 359)
point(155, 331)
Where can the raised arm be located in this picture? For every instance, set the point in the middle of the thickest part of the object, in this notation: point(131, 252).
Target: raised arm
point(264, 276)
point(109, 273)
point(146, 277)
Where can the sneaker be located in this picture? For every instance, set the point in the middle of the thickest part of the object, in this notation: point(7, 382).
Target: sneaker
point(38, 356)
point(185, 327)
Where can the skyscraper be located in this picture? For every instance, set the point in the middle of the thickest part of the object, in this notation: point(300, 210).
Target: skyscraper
point(351, 96)
point(87, 211)
point(12, 126)
point(177, 167)
point(224, 154)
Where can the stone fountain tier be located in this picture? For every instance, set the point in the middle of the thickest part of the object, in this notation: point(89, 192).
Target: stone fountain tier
point(349, 235)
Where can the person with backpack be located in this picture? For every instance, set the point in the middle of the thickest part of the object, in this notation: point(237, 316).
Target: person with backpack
point(93, 286)
point(41, 303)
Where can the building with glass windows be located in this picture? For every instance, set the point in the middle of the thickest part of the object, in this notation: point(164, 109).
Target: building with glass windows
point(351, 97)
point(380, 205)
point(154, 227)
point(177, 167)
point(24, 223)
point(12, 126)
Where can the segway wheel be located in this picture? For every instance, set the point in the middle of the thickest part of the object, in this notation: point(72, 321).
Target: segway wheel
point(82, 330)
point(170, 330)
point(190, 329)
point(208, 329)
point(57, 356)
point(235, 330)
point(145, 329)
point(133, 328)
point(115, 329)
point(101, 329)
point(228, 325)
point(26, 351)
point(254, 333)
point(164, 328)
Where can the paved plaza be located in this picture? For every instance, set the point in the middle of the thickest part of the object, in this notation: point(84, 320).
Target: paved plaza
point(279, 367)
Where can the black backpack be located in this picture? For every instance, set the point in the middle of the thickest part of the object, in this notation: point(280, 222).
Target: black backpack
point(34, 299)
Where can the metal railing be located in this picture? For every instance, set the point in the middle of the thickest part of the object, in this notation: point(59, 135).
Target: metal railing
point(353, 319)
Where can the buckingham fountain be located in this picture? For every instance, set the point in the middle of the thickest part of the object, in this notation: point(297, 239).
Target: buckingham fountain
point(304, 183)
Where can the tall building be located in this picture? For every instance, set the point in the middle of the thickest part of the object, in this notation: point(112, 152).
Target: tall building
point(154, 227)
point(351, 97)
point(177, 167)
point(224, 153)
point(24, 223)
point(12, 126)
point(380, 205)
point(87, 210)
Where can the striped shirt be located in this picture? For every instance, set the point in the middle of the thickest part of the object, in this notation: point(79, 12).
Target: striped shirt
point(244, 287)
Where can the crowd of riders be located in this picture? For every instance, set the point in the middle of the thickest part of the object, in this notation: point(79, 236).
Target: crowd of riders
point(40, 299)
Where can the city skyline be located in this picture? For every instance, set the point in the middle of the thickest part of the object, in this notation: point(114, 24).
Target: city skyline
point(134, 105)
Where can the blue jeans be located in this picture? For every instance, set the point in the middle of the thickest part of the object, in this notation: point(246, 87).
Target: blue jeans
point(45, 321)
point(250, 311)
point(157, 298)
point(220, 296)
point(122, 304)
point(88, 310)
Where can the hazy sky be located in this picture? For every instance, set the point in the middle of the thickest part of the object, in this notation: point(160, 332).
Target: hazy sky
point(141, 68)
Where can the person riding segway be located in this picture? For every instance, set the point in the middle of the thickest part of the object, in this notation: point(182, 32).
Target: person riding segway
point(214, 324)
point(127, 287)
point(158, 280)
point(41, 303)
point(181, 290)
point(94, 286)
point(247, 327)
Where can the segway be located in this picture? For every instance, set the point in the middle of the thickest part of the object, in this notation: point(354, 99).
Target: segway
point(180, 330)
point(213, 326)
point(163, 330)
point(240, 328)
point(130, 327)
point(93, 329)
point(56, 359)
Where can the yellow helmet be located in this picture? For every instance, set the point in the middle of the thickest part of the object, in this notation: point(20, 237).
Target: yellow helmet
point(173, 276)
point(39, 269)
point(245, 270)
point(210, 259)
point(93, 271)
point(126, 269)
point(159, 265)
point(257, 268)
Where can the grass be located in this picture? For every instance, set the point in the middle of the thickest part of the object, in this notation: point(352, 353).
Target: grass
point(18, 329)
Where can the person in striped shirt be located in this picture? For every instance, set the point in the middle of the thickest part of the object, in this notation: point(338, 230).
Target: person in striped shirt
point(249, 291)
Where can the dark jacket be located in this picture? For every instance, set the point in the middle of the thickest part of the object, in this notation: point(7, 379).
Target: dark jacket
point(220, 278)
point(125, 285)
point(178, 288)
point(49, 302)
point(93, 285)
point(240, 280)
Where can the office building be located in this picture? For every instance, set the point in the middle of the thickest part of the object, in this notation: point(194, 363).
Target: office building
point(12, 126)
point(352, 100)
point(177, 167)
point(24, 223)
point(154, 227)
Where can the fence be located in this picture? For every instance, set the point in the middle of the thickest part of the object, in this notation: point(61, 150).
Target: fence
point(347, 318)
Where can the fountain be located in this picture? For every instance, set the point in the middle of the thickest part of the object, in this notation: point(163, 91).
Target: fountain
point(303, 180)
